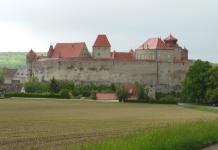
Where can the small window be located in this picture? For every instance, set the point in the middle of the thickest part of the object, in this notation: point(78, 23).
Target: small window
point(21, 73)
point(159, 56)
point(99, 48)
point(168, 71)
point(149, 56)
point(145, 56)
point(98, 54)
point(72, 45)
point(140, 57)
point(183, 63)
point(17, 73)
point(181, 53)
point(174, 57)
point(169, 56)
point(153, 56)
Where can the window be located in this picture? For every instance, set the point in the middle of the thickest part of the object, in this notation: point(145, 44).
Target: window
point(145, 56)
point(168, 56)
point(153, 56)
point(140, 57)
point(159, 56)
point(149, 56)
point(17, 73)
point(98, 54)
point(181, 53)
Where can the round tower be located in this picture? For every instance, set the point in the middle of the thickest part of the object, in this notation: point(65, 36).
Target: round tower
point(29, 59)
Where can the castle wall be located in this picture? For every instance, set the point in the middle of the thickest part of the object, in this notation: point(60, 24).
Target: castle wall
point(167, 89)
point(177, 53)
point(150, 54)
point(164, 55)
point(85, 53)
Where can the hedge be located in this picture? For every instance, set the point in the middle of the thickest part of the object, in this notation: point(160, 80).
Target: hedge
point(35, 95)
point(152, 102)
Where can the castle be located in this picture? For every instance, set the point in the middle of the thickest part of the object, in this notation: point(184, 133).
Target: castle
point(160, 64)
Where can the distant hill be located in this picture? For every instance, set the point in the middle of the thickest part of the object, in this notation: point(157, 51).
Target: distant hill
point(15, 60)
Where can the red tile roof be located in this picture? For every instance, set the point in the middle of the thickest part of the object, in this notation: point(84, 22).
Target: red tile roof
point(92, 59)
point(31, 53)
point(182, 61)
point(106, 96)
point(50, 48)
point(132, 90)
point(102, 41)
point(34, 59)
point(170, 38)
point(131, 51)
point(15, 73)
point(67, 50)
point(185, 50)
point(153, 43)
point(121, 55)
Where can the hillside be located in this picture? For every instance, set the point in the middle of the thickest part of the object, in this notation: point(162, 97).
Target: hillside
point(17, 60)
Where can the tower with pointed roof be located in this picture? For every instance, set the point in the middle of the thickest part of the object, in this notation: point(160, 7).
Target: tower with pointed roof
point(102, 48)
point(29, 58)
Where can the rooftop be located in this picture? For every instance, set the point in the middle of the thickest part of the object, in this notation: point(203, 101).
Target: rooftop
point(102, 41)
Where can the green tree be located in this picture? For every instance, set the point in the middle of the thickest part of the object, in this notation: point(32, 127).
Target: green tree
point(112, 87)
point(194, 84)
point(212, 83)
point(142, 91)
point(32, 86)
point(122, 93)
point(2, 72)
point(53, 86)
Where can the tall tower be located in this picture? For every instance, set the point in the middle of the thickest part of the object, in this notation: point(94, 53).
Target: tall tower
point(102, 48)
point(29, 58)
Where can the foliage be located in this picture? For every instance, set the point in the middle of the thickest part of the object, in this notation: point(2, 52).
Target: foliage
point(93, 94)
point(194, 84)
point(32, 86)
point(163, 99)
point(170, 98)
point(152, 102)
point(122, 93)
point(33, 95)
point(201, 108)
point(152, 99)
point(182, 58)
point(112, 87)
point(212, 83)
point(64, 93)
point(71, 95)
point(2, 72)
point(5, 87)
point(15, 60)
point(53, 86)
point(142, 92)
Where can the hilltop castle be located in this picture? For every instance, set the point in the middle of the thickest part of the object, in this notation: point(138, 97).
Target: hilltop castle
point(154, 63)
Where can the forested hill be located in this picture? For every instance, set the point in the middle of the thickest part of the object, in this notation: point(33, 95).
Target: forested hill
point(15, 60)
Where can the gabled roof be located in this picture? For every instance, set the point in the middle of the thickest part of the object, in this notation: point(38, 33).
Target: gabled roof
point(31, 53)
point(170, 38)
point(15, 73)
point(153, 43)
point(50, 48)
point(106, 96)
point(102, 41)
point(67, 50)
point(132, 89)
point(131, 51)
point(14, 89)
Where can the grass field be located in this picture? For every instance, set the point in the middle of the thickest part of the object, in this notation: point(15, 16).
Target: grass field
point(43, 123)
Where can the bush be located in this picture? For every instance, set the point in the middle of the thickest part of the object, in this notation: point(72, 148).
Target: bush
point(152, 99)
point(71, 95)
point(152, 102)
point(163, 99)
point(170, 98)
point(64, 93)
point(93, 94)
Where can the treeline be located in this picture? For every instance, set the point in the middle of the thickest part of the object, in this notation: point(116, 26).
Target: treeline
point(201, 83)
point(15, 60)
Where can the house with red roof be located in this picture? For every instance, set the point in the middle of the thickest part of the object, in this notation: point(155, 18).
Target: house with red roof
point(155, 62)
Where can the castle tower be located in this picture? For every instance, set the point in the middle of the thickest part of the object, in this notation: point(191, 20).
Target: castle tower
point(50, 51)
point(29, 58)
point(102, 48)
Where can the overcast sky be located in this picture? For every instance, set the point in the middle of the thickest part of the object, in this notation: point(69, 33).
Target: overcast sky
point(26, 24)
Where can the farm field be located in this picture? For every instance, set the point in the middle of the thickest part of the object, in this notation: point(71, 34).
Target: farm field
point(47, 123)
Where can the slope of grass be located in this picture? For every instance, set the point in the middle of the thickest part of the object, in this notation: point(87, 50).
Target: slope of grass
point(194, 135)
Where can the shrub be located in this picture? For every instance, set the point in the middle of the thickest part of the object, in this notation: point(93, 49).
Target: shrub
point(64, 93)
point(71, 95)
point(152, 99)
point(93, 94)
point(170, 98)
point(163, 99)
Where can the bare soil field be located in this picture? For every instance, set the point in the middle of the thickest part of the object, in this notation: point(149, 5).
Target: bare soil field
point(47, 123)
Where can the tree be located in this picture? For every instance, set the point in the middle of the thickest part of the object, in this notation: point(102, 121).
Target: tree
point(142, 92)
point(112, 87)
point(2, 72)
point(32, 86)
point(122, 93)
point(53, 86)
point(212, 83)
point(194, 84)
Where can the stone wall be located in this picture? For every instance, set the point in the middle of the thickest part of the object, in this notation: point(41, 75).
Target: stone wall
point(102, 52)
point(165, 88)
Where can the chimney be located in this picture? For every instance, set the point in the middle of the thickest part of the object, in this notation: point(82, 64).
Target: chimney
point(59, 54)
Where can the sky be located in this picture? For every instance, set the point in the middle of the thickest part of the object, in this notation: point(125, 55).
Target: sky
point(35, 24)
